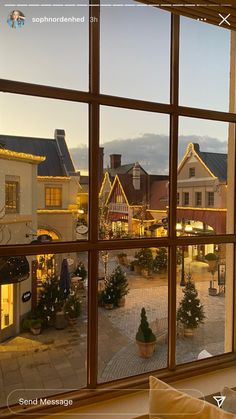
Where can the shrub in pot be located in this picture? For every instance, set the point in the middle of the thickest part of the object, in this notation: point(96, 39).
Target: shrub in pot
point(119, 284)
point(161, 260)
point(122, 258)
point(190, 312)
point(35, 326)
point(72, 308)
point(145, 338)
point(145, 260)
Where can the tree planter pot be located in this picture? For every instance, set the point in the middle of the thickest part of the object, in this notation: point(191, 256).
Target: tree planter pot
point(137, 269)
point(212, 264)
point(121, 302)
point(72, 321)
point(35, 331)
point(123, 260)
point(108, 306)
point(212, 291)
point(188, 332)
point(146, 349)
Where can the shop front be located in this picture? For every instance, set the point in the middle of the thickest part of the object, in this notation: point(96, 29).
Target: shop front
point(13, 270)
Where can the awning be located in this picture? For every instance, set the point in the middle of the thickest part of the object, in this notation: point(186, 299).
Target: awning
point(116, 216)
point(13, 269)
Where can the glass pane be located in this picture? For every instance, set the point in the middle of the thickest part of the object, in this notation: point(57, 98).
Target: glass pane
point(43, 170)
point(205, 178)
point(135, 51)
point(134, 168)
point(43, 348)
point(6, 305)
point(204, 65)
point(45, 45)
point(132, 282)
point(204, 301)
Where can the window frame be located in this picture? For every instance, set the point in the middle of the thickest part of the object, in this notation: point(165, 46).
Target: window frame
point(93, 246)
point(52, 198)
point(198, 203)
point(210, 199)
point(186, 199)
point(191, 172)
point(16, 188)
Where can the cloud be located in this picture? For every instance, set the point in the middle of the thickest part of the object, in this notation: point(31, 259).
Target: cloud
point(150, 150)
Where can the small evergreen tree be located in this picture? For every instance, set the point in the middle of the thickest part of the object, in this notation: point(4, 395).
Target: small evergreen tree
point(119, 283)
point(81, 271)
point(190, 312)
point(161, 260)
point(145, 333)
point(116, 287)
point(144, 259)
point(51, 300)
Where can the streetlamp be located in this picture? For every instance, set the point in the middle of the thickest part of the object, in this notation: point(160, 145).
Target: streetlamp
point(182, 229)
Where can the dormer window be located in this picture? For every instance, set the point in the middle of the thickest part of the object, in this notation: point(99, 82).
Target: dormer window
point(191, 171)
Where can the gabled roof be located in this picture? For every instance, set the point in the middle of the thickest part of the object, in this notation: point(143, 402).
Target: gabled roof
point(58, 161)
point(123, 169)
point(133, 196)
point(216, 162)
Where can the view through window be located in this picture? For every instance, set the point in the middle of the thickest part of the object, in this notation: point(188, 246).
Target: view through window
point(117, 218)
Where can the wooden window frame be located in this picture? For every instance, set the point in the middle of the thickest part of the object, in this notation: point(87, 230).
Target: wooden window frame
point(93, 246)
point(210, 201)
point(52, 188)
point(16, 209)
point(197, 195)
point(186, 201)
point(191, 172)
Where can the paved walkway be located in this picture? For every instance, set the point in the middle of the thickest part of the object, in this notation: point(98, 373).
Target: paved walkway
point(55, 361)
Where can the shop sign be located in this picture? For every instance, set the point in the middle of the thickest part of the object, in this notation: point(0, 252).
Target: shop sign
point(26, 296)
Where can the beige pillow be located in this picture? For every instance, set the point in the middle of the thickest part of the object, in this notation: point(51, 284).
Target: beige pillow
point(166, 402)
point(229, 403)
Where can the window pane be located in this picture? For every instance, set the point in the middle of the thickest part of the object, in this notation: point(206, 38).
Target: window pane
point(134, 163)
point(43, 170)
point(135, 51)
point(205, 152)
point(46, 49)
point(204, 65)
point(43, 328)
point(204, 301)
point(129, 281)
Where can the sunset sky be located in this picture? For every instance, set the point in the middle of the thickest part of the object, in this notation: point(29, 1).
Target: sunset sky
point(134, 63)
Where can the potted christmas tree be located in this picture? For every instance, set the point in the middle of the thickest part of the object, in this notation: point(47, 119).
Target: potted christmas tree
point(145, 261)
point(119, 283)
point(51, 300)
point(72, 308)
point(145, 338)
point(190, 312)
point(122, 258)
point(161, 260)
point(212, 260)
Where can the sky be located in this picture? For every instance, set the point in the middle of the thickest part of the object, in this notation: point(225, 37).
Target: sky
point(134, 63)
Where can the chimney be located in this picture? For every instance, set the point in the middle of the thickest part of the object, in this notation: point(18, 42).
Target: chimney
point(59, 134)
point(136, 176)
point(115, 161)
point(100, 164)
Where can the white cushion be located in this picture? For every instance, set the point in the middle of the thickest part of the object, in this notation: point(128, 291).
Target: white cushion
point(229, 403)
point(166, 402)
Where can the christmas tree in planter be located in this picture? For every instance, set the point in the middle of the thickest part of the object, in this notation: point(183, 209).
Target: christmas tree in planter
point(116, 289)
point(190, 312)
point(161, 260)
point(120, 286)
point(51, 300)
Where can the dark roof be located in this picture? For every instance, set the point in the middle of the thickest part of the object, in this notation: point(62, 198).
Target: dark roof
point(134, 196)
point(216, 162)
point(58, 161)
point(123, 169)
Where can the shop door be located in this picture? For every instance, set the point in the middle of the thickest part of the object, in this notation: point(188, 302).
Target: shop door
point(7, 321)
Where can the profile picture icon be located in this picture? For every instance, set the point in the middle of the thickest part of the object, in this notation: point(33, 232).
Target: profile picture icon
point(16, 19)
